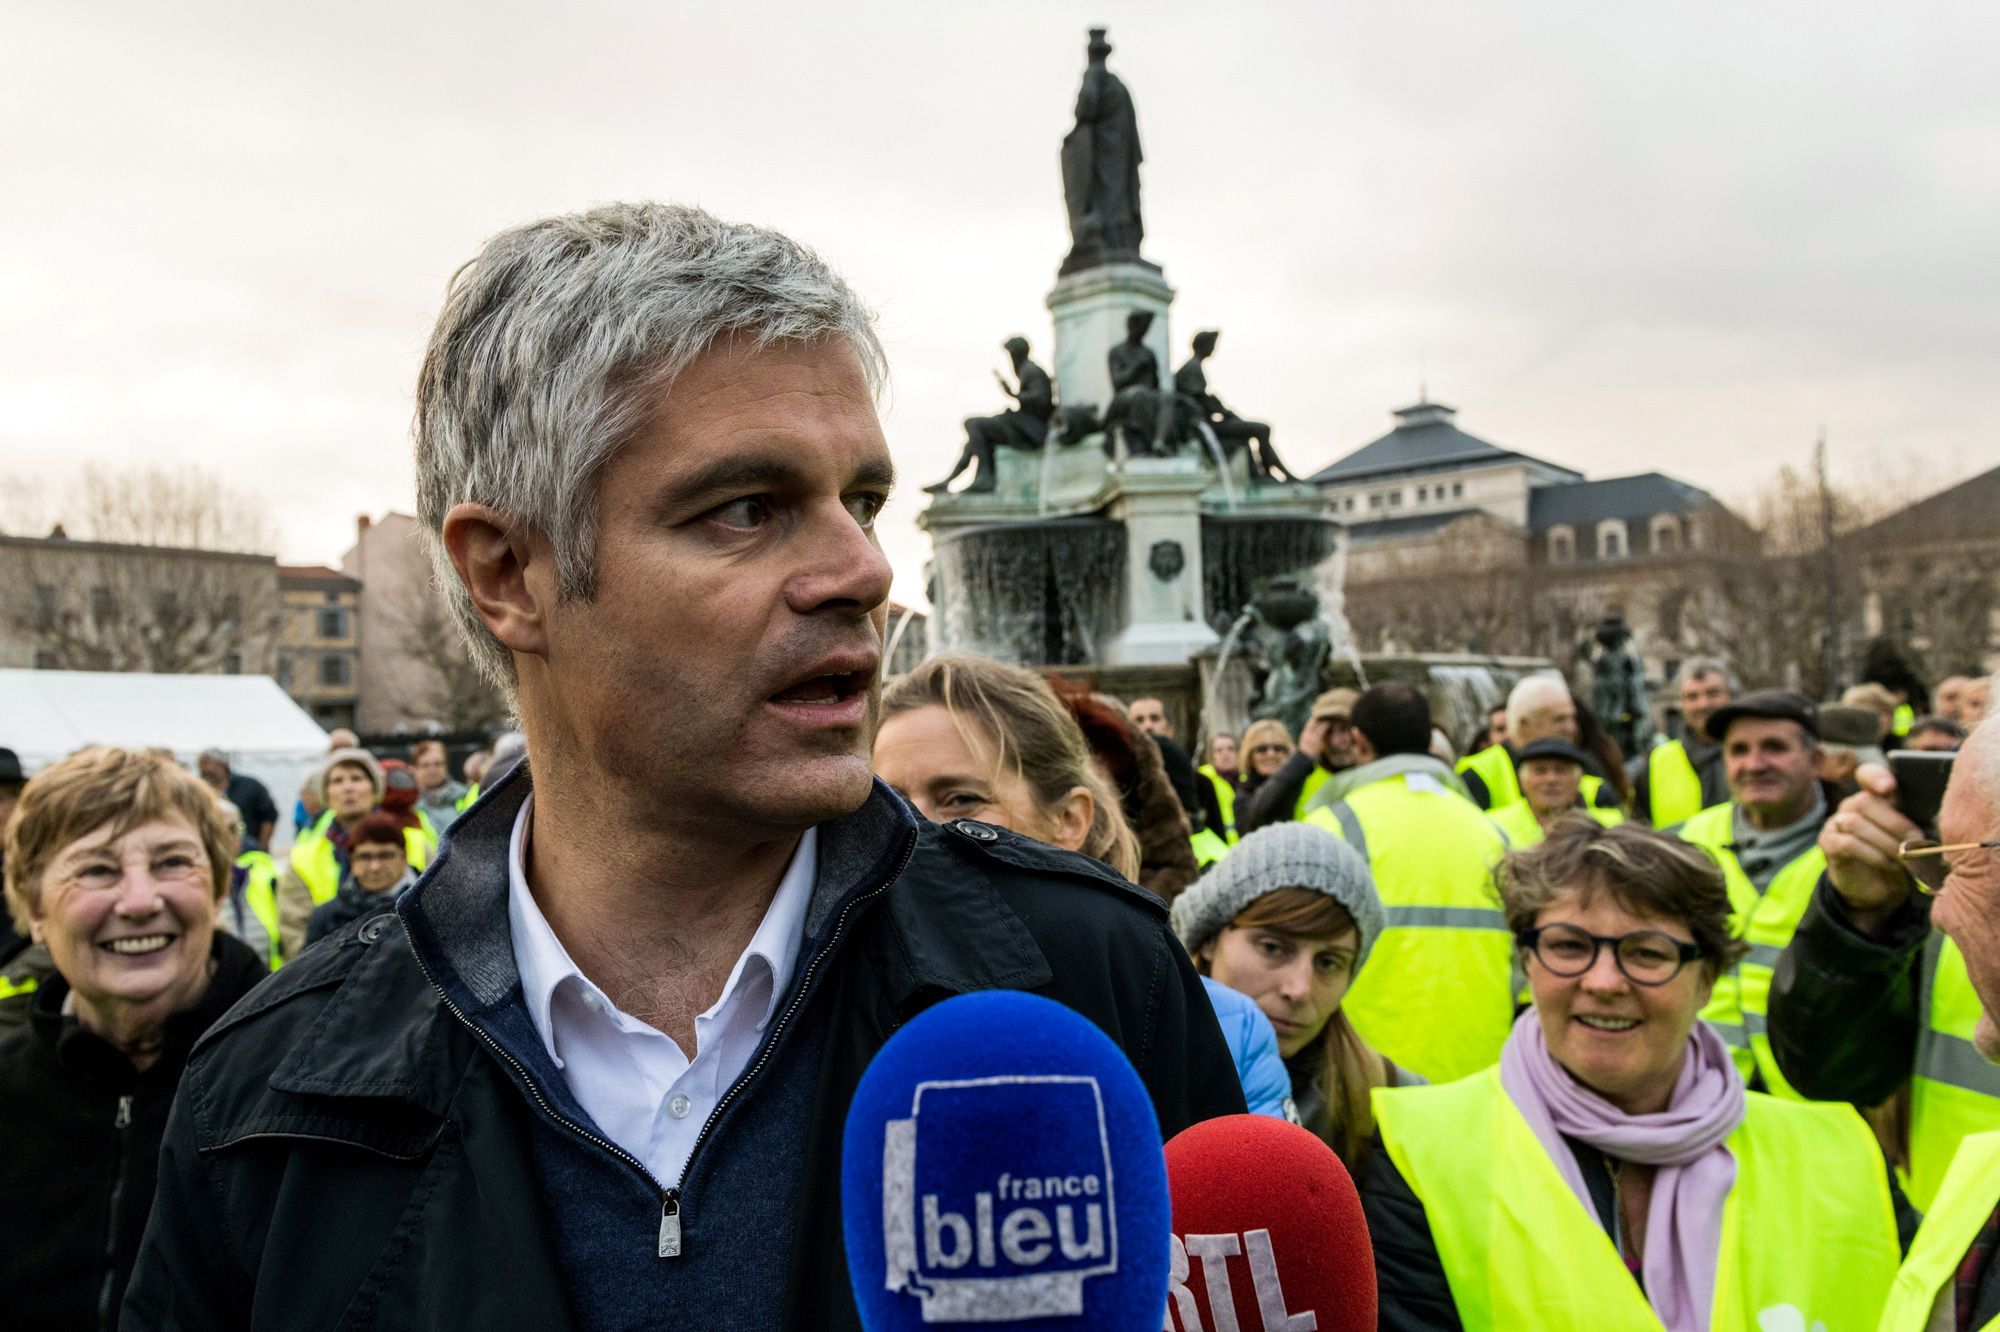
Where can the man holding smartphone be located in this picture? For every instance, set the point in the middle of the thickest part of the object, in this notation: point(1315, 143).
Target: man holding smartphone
point(1869, 995)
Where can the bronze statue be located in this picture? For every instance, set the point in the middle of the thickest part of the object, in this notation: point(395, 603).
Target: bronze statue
point(1139, 409)
point(1023, 426)
point(1233, 432)
point(1100, 168)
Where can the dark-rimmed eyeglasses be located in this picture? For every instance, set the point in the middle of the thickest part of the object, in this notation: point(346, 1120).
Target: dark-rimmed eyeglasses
point(1646, 957)
point(1925, 860)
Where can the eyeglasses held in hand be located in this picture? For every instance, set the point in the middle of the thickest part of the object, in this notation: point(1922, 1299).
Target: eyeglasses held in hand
point(1925, 860)
point(1647, 957)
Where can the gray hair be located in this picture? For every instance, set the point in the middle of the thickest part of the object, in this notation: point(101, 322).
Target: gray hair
point(1695, 667)
point(554, 339)
point(1531, 694)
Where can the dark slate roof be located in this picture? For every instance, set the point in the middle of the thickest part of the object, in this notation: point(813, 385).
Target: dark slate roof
point(1405, 525)
point(1425, 439)
point(1586, 503)
point(1964, 512)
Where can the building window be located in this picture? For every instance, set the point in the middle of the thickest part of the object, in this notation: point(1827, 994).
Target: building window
point(47, 660)
point(103, 604)
point(284, 671)
point(233, 664)
point(333, 669)
point(333, 598)
point(1350, 504)
point(1423, 494)
point(1666, 535)
point(1562, 545)
point(1395, 499)
point(1374, 502)
point(1612, 543)
point(45, 605)
point(166, 605)
point(1458, 490)
point(333, 624)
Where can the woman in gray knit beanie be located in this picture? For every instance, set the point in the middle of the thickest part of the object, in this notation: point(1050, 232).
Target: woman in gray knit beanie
point(1288, 918)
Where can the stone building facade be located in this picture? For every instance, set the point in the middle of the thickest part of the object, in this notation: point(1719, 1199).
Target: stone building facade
point(319, 646)
point(111, 606)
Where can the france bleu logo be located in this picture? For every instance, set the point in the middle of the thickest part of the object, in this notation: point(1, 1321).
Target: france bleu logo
point(997, 1199)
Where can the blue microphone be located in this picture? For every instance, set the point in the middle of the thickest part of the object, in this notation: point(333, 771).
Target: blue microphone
point(1002, 1167)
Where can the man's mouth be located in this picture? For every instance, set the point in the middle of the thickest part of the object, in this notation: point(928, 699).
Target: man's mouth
point(824, 689)
point(138, 945)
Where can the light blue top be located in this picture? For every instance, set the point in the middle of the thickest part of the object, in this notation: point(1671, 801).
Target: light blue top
point(1253, 1043)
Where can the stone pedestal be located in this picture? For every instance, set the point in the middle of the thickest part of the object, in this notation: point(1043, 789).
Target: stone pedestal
point(1090, 309)
point(1159, 502)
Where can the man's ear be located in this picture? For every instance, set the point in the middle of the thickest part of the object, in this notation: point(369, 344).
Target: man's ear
point(506, 570)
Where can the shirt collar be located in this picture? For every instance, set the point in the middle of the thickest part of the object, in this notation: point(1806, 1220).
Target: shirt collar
point(545, 964)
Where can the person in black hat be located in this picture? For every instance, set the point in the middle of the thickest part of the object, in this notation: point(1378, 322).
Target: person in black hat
point(1766, 841)
point(1551, 774)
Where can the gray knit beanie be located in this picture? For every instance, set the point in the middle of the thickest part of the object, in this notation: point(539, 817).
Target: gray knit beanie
point(1281, 855)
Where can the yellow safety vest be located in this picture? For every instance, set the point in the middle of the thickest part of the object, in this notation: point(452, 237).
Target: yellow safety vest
point(464, 802)
point(317, 865)
point(1494, 765)
point(1436, 993)
point(25, 985)
point(1954, 1091)
point(1742, 1000)
point(1225, 799)
point(1208, 848)
point(1809, 1223)
point(1673, 787)
point(260, 894)
point(1951, 1223)
point(1905, 718)
point(1315, 779)
point(1518, 824)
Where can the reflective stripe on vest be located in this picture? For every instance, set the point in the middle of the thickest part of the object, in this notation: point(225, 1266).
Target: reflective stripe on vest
point(1954, 1091)
point(1435, 995)
point(260, 894)
point(1225, 799)
point(1673, 787)
point(1765, 921)
point(1970, 1189)
point(1494, 765)
point(1808, 1233)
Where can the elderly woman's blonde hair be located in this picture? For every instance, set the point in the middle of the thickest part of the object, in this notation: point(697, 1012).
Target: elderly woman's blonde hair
point(1018, 720)
point(1261, 732)
point(103, 785)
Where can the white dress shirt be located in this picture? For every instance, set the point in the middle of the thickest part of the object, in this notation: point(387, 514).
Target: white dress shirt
point(636, 1082)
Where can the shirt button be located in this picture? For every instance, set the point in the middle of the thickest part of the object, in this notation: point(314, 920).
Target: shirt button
point(679, 1106)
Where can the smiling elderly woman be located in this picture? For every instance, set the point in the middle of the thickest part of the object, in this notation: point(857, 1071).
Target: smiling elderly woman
point(115, 861)
point(1611, 1171)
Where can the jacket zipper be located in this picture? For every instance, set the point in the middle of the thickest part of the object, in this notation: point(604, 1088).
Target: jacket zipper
point(673, 1208)
point(107, 1316)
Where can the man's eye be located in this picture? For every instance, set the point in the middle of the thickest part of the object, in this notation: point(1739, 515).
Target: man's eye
point(866, 507)
point(746, 513)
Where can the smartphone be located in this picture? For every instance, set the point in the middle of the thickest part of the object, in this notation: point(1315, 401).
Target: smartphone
point(1920, 781)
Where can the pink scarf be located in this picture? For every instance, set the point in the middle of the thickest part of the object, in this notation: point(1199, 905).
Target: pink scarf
point(1684, 1143)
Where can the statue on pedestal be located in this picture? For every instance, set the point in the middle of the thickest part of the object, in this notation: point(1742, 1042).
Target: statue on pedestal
point(1618, 694)
point(1234, 433)
point(1293, 649)
point(1023, 426)
point(1100, 168)
point(1140, 410)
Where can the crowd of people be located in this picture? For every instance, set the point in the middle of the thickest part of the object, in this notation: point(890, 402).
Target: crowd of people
point(1693, 1038)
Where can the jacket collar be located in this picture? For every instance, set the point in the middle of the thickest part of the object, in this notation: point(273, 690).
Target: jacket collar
point(456, 915)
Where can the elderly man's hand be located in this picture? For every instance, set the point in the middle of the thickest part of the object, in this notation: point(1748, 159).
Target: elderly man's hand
point(1860, 842)
point(1312, 740)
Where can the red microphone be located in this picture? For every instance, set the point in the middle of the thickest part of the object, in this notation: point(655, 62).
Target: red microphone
point(1268, 1232)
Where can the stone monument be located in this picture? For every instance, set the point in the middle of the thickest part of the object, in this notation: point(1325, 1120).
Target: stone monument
point(1112, 515)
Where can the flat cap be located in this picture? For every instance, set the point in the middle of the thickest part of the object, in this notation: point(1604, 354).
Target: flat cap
point(1776, 704)
point(1335, 703)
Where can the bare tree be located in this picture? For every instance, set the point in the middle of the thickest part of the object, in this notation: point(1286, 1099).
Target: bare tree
point(448, 688)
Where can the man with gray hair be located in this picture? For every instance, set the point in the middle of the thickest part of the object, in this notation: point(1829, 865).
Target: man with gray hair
point(1893, 977)
point(1539, 707)
point(592, 1072)
point(1677, 780)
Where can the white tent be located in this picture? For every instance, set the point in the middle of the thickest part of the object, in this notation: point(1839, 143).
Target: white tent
point(47, 714)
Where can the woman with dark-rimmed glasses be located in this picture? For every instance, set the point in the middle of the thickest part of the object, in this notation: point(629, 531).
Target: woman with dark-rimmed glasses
point(1612, 1171)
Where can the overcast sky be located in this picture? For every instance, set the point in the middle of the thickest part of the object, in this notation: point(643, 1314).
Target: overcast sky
point(1620, 237)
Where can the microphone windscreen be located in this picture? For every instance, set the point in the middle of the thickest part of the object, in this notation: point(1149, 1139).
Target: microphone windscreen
point(1002, 1167)
point(1268, 1232)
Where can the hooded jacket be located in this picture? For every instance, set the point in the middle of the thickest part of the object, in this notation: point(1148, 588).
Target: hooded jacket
point(364, 1144)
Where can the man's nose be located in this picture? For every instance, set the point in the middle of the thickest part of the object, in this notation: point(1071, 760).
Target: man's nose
point(843, 566)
